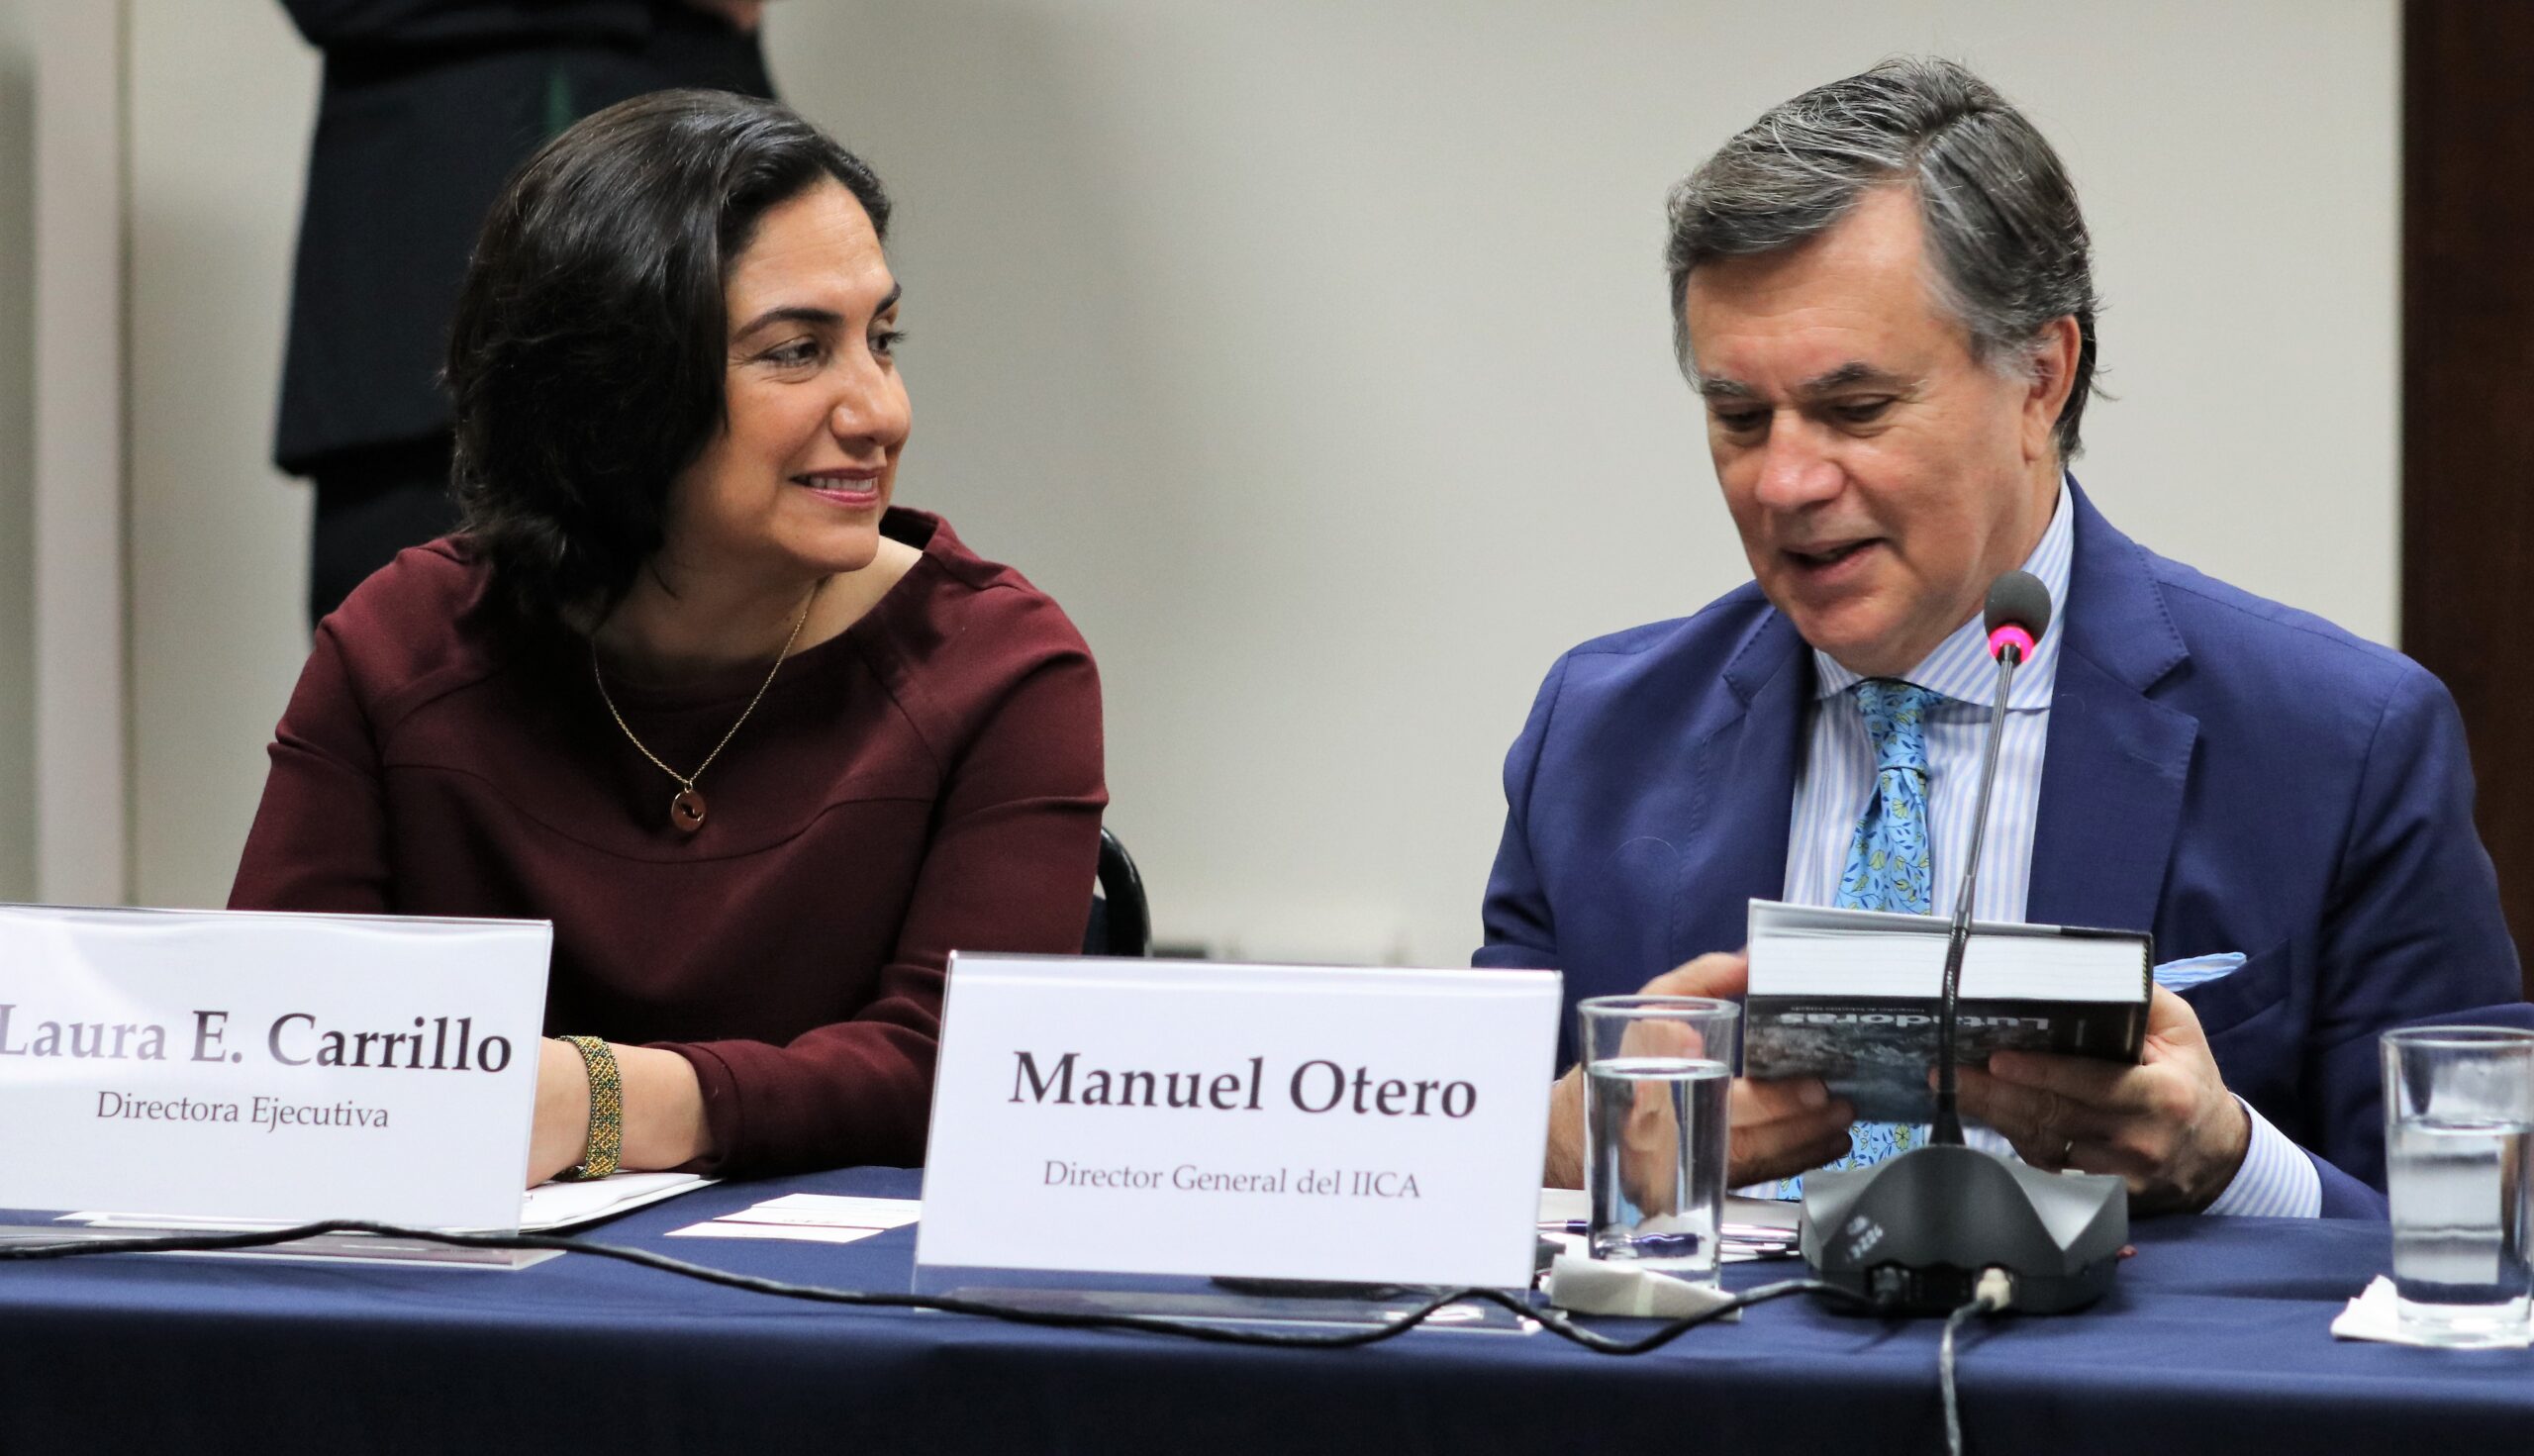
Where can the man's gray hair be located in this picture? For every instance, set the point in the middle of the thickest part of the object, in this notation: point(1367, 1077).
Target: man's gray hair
point(2001, 219)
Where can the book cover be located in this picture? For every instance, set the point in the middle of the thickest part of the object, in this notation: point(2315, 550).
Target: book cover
point(1851, 997)
point(1878, 1052)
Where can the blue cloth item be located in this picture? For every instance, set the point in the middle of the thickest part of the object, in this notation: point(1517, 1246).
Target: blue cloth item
point(2223, 772)
point(2198, 970)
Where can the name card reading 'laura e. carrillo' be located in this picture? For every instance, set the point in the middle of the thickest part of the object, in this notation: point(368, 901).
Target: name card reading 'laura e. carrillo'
point(272, 1067)
point(1138, 1117)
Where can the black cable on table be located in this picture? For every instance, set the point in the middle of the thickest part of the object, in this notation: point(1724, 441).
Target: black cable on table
point(1552, 1320)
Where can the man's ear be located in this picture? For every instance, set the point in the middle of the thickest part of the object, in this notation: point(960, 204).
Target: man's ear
point(2053, 357)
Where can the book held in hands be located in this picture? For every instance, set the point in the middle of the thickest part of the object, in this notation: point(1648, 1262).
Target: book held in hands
point(1850, 996)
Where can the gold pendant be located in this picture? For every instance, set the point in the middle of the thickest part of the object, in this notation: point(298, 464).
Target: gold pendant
point(686, 811)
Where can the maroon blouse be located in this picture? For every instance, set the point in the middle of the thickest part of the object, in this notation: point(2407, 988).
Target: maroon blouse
point(929, 779)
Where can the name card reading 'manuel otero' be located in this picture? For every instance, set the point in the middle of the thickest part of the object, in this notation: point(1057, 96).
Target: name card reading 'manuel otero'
point(1139, 1116)
point(274, 1067)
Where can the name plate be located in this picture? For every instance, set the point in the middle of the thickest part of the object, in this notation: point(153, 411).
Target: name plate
point(284, 1068)
point(1138, 1117)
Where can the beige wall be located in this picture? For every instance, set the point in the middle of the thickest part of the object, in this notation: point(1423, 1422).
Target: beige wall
point(17, 456)
point(1313, 353)
point(62, 765)
point(223, 96)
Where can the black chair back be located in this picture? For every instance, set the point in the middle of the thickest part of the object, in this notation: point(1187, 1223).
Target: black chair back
point(1121, 923)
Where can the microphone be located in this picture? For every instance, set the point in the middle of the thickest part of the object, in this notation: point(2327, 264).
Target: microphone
point(1931, 1229)
point(2017, 614)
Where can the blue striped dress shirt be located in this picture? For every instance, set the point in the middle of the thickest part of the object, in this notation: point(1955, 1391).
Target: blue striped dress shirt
point(1836, 779)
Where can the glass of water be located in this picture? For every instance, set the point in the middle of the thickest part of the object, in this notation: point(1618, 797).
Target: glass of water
point(1656, 1069)
point(2459, 1109)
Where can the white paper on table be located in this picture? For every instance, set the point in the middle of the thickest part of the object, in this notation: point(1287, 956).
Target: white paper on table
point(829, 1210)
point(551, 1207)
point(2375, 1314)
point(806, 1232)
point(545, 1208)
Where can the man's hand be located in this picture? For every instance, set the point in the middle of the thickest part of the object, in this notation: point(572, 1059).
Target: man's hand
point(1779, 1128)
point(2168, 1126)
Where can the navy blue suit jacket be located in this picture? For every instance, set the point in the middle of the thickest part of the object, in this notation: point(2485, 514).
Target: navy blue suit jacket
point(2221, 771)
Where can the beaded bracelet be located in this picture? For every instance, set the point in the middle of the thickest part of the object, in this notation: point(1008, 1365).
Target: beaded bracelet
point(607, 1112)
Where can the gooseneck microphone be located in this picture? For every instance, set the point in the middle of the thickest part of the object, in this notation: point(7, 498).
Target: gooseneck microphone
point(1943, 1226)
point(2019, 612)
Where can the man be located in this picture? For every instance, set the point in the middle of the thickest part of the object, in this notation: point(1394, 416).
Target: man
point(1881, 295)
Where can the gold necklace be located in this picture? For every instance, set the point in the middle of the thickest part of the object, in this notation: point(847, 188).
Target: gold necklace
point(686, 811)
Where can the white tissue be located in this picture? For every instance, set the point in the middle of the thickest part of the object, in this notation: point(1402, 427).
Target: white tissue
point(2375, 1314)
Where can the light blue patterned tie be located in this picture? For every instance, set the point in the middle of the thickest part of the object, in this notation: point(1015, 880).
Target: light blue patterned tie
point(1888, 865)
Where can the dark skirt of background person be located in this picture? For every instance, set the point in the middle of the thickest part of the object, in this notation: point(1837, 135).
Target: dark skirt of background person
point(425, 110)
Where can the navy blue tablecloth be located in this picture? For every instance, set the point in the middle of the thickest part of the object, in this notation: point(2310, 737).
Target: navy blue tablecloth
point(2215, 1340)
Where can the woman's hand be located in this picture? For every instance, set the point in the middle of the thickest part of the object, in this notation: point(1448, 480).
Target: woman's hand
point(664, 1124)
point(561, 1131)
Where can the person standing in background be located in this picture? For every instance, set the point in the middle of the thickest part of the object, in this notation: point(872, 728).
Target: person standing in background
point(426, 108)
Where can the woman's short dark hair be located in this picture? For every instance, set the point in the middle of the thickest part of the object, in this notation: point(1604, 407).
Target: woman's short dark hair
point(587, 360)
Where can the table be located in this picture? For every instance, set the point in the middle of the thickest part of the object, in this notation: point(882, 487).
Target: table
point(2214, 1340)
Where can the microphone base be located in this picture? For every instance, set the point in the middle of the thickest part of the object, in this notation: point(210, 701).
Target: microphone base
point(1914, 1233)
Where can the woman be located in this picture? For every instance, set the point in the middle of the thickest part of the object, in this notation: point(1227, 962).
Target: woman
point(762, 747)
